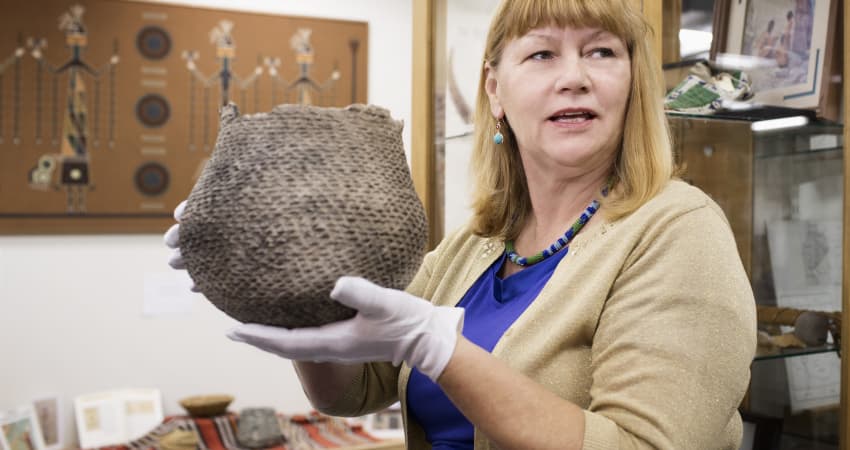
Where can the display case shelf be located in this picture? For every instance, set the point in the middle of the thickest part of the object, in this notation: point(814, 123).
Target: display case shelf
point(766, 353)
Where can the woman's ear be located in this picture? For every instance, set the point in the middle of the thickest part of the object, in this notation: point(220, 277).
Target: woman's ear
point(490, 86)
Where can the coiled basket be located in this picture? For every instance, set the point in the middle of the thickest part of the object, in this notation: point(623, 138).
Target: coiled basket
point(291, 200)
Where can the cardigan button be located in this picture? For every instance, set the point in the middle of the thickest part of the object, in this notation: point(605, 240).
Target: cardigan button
point(489, 248)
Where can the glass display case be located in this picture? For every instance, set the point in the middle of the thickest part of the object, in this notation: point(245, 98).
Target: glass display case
point(782, 192)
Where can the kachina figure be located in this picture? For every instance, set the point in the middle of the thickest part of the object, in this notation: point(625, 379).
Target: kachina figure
point(73, 157)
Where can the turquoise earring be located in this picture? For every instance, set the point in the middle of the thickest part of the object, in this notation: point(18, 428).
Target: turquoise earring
point(498, 138)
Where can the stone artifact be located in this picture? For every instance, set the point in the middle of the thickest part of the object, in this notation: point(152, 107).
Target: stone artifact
point(258, 428)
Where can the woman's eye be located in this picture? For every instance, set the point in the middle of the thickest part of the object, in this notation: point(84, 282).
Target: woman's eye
point(602, 52)
point(543, 54)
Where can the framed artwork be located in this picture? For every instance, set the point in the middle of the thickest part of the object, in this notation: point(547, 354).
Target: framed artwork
point(48, 410)
point(20, 430)
point(109, 109)
point(787, 47)
point(466, 25)
point(116, 417)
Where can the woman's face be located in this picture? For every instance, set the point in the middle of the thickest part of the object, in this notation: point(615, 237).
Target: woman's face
point(564, 93)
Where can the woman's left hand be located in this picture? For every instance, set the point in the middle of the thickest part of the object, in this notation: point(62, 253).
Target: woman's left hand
point(390, 325)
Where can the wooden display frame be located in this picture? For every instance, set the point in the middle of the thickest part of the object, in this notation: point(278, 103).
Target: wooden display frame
point(151, 83)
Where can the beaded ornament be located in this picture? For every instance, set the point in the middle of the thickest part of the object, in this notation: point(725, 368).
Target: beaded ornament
point(561, 242)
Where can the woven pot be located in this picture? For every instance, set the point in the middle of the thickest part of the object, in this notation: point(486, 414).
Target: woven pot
point(295, 198)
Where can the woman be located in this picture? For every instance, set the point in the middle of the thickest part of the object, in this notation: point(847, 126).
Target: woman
point(764, 43)
point(634, 329)
point(784, 49)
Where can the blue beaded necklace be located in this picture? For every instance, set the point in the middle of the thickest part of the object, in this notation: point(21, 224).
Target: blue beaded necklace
point(561, 242)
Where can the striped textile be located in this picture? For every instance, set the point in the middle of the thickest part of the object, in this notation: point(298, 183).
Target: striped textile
point(301, 432)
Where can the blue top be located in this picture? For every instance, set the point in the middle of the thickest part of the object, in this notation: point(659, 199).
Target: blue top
point(491, 305)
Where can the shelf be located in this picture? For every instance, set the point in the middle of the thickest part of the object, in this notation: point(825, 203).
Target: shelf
point(822, 153)
point(814, 126)
point(764, 353)
point(756, 115)
point(819, 139)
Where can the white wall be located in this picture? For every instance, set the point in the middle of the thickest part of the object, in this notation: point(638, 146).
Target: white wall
point(71, 306)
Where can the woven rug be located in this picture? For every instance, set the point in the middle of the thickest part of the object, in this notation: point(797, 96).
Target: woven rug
point(301, 432)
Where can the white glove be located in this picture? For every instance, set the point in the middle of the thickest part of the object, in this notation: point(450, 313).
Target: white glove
point(172, 240)
point(390, 325)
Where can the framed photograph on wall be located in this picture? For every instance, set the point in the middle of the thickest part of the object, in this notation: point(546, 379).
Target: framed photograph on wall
point(787, 47)
point(19, 429)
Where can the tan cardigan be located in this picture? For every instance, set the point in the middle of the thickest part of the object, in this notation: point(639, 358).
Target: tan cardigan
point(648, 324)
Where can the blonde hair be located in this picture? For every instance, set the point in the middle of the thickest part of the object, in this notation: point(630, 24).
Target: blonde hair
point(645, 160)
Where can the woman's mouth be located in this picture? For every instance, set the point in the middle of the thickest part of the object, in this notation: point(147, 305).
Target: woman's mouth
point(572, 117)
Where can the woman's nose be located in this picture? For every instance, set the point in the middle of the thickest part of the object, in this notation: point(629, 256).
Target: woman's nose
point(572, 76)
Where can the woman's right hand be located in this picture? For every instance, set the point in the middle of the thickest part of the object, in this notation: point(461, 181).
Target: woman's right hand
point(172, 241)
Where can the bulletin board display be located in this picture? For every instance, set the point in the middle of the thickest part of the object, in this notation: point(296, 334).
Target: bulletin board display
point(109, 109)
